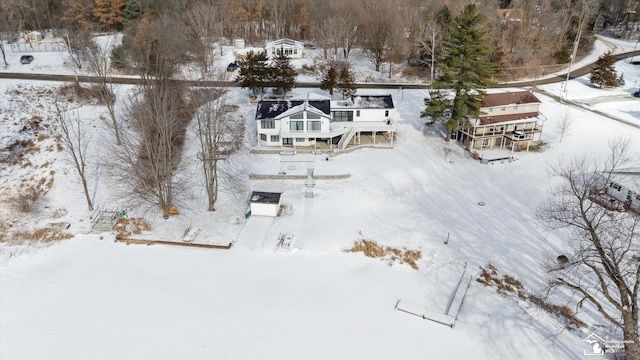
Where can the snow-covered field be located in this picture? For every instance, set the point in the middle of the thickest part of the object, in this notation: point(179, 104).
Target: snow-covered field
point(90, 297)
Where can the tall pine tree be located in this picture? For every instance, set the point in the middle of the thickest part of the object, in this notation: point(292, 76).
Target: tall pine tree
point(466, 70)
point(283, 75)
point(253, 72)
point(131, 11)
point(604, 73)
point(346, 83)
point(330, 80)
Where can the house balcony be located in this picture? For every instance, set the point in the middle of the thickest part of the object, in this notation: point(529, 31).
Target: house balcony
point(514, 135)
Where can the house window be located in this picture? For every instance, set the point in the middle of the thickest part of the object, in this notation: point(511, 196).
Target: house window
point(311, 115)
point(296, 125)
point(275, 138)
point(515, 107)
point(386, 113)
point(615, 186)
point(287, 141)
point(296, 116)
point(263, 137)
point(357, 113)
point(299, 140)
point(485, 142)
point(314, 125)
point(342, 115)
point(268, 124)
point(295, 51)
point(503, 109)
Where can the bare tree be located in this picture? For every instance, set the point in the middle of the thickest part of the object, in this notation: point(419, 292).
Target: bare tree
point(378, 38)
point(220, 135)
point(564, 126)
point(99, 61)
point(75, 141)
point(430, 43)
point(202, 28)
point(4, 56)
point(602, 262)
point(146, 163)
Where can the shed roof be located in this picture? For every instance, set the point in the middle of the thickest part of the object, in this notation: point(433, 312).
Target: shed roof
point(272, 109)
point(508, 98)
point(263, 197)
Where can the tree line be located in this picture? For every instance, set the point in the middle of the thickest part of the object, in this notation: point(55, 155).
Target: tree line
point(527, 36)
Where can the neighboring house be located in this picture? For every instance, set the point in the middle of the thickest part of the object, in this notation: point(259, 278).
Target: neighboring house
point(291, 48)
point(33, 37)
point(509, 121)
point(509, 15)
point(332, 122)
point(619, 190)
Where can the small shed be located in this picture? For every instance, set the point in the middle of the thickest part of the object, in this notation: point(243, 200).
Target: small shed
point(265, 203)
point(33, 37)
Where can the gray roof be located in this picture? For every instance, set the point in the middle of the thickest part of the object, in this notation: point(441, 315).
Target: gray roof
point(262, 197)
point(271, 109)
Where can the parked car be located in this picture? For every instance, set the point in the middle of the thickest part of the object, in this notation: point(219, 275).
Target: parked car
point(26, 59)
point(637, 93)
point(232, 67)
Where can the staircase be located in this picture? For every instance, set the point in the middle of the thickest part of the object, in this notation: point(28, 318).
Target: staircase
point(346, 138)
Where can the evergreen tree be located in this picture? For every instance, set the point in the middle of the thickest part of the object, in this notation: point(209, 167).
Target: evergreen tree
point(604, 72)
point(346, 82)
point(131, 11)
point(253, 72)
point(330, 80)
point(109, 13)
point(466, 70)
point(282, 75)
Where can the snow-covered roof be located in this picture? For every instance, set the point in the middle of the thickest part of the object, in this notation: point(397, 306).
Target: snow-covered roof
point(285, 42)
point(365, 102)
point(305, 106)
point(263, 197)
point(273, 109)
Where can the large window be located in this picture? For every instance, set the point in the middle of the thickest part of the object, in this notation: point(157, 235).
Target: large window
point(311, 115)
point(343, 116)
point(314, 125)
point(301, 140)
point(296, 125)
point(287, 141)
point(275, 138)
point(268, 124)
point(296, 116)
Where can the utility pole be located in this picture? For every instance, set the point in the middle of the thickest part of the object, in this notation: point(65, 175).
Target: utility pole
point(573, 56)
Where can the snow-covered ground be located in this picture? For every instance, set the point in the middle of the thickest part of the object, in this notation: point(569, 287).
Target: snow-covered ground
point(90, 297)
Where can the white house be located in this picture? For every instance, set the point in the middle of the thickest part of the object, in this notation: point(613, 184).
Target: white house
point(265, 203)
point(296, 123)
point(292, 48)
point(508, 120)
point(33, 37)
point(623, 189)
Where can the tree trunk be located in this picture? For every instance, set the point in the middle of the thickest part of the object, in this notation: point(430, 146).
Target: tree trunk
point(86, 192)
point(631, 336)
